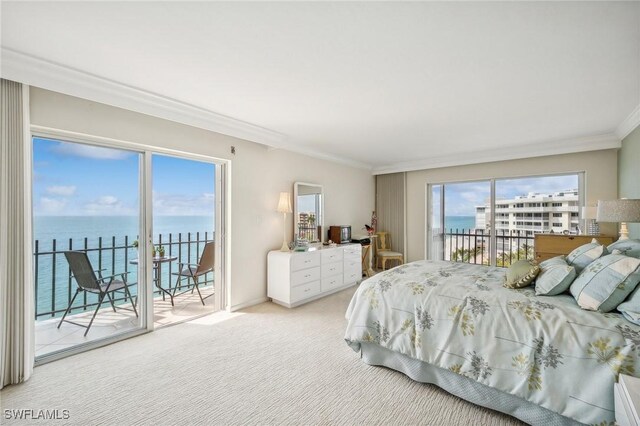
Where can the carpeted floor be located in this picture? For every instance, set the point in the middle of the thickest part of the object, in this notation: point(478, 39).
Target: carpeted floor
point(266, 365)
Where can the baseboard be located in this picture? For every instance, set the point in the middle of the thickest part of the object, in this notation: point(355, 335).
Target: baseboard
point(248, 304)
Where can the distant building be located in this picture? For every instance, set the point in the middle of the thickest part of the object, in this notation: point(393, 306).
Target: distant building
point(533, 213)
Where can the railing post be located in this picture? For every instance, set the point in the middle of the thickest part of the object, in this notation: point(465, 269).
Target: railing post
point(70, 279)
point(53, 278)
point(36, 275)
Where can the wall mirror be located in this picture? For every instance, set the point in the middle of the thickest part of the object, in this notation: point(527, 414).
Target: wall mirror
point(308, 212)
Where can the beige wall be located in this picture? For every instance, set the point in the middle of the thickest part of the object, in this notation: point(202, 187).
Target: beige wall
point(600, 169)
point(258, 175)
point(628, 177)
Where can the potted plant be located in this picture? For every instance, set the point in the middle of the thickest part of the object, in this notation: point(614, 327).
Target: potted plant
point(161, 251)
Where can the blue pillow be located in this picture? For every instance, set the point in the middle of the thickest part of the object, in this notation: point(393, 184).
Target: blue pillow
point(555, 277)
point(626, 247)
point(630, 308)
point(606, 282)
point(585, 254)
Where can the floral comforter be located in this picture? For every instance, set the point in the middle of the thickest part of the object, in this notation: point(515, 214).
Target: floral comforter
point(459, 317)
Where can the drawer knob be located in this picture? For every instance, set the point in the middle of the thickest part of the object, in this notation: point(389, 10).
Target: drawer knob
point(307, 276)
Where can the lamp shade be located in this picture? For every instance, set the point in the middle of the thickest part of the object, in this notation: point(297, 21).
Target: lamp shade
point(284, 204)
point(589, 212)
point(624, 210)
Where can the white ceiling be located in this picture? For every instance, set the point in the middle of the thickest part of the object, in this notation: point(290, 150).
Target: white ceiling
point(379, 83)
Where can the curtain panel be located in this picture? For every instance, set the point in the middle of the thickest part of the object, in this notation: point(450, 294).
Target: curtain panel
point(16, 283)
point(391, 208)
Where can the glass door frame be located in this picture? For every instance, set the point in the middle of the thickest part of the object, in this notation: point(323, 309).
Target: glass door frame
point(145, 274)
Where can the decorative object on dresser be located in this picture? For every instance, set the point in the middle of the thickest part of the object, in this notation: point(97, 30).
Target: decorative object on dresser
point(626, 395)
point(296, 278)
point(284, 207)
point(308, 205)
point(552, 245)
point(622, 211)
point(589, 214)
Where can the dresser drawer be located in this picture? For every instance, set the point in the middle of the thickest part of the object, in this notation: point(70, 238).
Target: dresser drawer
point(305, 291)
point(353, 251)
point(352, 263)
point(329, 269)
point(330, 283)
point(351, 275)
point(305, 276)
point(331, 255)
point(304, 260)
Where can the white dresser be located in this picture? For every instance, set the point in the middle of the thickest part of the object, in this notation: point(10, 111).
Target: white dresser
point(295, 278)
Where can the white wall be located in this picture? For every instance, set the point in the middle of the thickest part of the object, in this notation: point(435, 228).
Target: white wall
point(258, 175)
point(628, 181)
point(601, 182)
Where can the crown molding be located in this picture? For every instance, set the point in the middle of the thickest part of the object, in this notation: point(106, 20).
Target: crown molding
point(542, 149)
point(629, 124)
point(38, 72)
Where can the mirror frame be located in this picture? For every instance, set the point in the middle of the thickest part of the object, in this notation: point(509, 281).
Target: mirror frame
point(295, 209)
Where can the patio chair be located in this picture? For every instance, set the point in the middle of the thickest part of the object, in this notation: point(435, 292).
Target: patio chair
point(195, 270)
point(86, 279)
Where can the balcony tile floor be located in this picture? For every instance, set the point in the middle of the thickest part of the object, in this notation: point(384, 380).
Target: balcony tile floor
point(50, 338)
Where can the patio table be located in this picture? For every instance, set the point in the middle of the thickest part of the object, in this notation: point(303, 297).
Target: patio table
point(157, 267)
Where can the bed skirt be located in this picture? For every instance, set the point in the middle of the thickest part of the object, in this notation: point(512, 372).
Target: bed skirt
point(463, 387)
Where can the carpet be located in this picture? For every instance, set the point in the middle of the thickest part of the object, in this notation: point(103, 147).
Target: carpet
point(264, 365)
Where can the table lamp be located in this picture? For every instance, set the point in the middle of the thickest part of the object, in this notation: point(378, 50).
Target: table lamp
point(284, 207)
point(623, 211)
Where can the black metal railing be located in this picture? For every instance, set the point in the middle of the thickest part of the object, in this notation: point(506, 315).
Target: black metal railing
point(54, 285)
point(473, 246)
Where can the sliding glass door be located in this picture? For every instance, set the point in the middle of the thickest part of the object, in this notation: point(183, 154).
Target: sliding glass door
point(493, 222)
point(88, 216)
point(124, 241)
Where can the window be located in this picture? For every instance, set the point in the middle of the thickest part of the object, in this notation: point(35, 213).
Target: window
point(465, 209)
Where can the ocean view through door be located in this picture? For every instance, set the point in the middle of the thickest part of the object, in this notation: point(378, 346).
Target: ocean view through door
point(184, 257)
point(98, 213)
point(87, 215)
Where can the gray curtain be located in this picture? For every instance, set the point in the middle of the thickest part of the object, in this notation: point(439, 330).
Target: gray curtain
point(16, 282)
point(391, 208)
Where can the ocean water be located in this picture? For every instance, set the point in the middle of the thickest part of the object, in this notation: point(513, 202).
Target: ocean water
point(459, 222)
point(115, 234)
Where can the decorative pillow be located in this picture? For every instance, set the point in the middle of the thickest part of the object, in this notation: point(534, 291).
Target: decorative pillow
point(606, 282)
point(585, 254)
point(521, 274)
point(555, 277)
point(628, 247)
point(630, 308)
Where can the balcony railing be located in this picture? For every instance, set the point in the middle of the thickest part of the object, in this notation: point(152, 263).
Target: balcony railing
point(54, 285)
point(473, 246)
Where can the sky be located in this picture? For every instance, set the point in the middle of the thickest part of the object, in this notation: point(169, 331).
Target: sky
point(462, 198)
point(72, 179)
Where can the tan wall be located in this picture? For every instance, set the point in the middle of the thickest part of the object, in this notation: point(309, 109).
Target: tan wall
point(600, 169)
point(628, 176)
point(258, 175)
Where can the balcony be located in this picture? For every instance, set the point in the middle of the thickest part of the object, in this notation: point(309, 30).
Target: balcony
point(472, 246)
point(54, 288)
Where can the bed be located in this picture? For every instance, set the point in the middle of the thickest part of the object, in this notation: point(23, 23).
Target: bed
point(540, 359)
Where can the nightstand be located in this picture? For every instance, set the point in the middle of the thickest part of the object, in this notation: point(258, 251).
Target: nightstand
point(626, 394)
point(552, 245)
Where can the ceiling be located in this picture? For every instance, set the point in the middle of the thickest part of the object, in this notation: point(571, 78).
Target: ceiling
point(388, 85)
